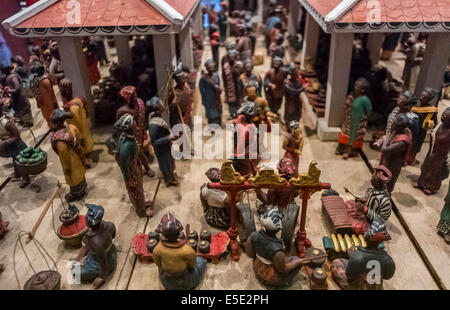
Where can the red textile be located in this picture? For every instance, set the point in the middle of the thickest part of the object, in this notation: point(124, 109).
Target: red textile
point(74, 228)
point(93, 73)
point(357, 218)
point(343, 139)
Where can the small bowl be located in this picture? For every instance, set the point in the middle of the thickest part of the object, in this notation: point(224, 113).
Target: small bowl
point(151, 244)
point(193, 235)
point(193, 244)
point(204, 247)
point(205, 235)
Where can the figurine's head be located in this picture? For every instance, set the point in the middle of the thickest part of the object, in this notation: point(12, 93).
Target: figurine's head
point(406, 101)
point(232, 55)
point(170, 227)
point(285, 168)
point(248, 66)
point(445, 118)
point(376, 233)
point(58, 118)
point(66, 88)
point(180, 77)
point(251, 89)
point(213, 174)
point(294, 128)
point(6, 68)
point(210, 66)
point(361, 87)
point(241, 30)
point(94, 215)
point(124, 123)
point(271, 220)
point(279, 38)
point(128, 93)
point(380, 177)
point(400, 122)
point(277, 62)
point(292, 70)
point(38, 68)
point(248, 109)
point(229, 46)
point(18, 60)
point(427, 95)
point(37, 50)
point(155, 105)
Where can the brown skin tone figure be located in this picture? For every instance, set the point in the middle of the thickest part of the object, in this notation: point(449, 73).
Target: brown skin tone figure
point(274, 85)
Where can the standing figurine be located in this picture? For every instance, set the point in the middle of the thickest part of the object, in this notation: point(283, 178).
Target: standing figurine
point(443, 227)
point(274, 85)
point(19, 102)
point(215, 202)
point(276, 48)
point(11, 144)
point(261, 104)
point(248, 75)
point(98, 255)
point(357, 109)
point(55, 68)
point(293, 104)
point(352, 273)
point(435, 169)
point(231, 71)
point(293, 145)
point(243, 43)
point(271, 265)
point(161, 138)
point(396, 148)
point(42, 87)
point(136, 107)
point(179, 267)
point(80, 119)
point(65, 143)
point(215, 43)
point(223, 21)
point(210, 90)
point(427, 114)
point(182, 100)
point(127, 157)
point(414, 59)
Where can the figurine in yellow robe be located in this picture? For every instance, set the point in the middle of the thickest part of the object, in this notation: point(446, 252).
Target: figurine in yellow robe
point(77, 106)
point(65, 143)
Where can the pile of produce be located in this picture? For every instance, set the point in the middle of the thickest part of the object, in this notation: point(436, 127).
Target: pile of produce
point(31, 156)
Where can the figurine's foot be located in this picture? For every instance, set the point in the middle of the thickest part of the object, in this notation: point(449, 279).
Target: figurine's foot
point(72, 197)
point(150, 173)
point(149, 212)
point(447, 238)
point(24, 183)
point(416, 185)
point(98, 282)
point(89, 163)
point(428, 192)
point(346, 156)
point(2, 268)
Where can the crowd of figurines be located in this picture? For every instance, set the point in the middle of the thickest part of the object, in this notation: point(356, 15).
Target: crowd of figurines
point(128, 99)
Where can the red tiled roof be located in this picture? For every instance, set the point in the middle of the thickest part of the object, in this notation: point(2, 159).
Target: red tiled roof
point(182, 6)
point(403, 11)
point(100, 13)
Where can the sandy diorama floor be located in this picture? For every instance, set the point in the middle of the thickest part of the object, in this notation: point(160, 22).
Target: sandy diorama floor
point(22, 208)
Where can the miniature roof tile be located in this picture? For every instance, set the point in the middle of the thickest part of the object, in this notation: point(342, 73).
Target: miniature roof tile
point(403, 15)
point(100, 16)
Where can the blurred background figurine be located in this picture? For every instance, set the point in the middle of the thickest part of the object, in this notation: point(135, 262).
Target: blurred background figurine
point(209, 86)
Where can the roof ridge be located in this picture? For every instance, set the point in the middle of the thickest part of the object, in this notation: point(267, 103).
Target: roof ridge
point(28, 12)
point(167, 11)
point(340, 10)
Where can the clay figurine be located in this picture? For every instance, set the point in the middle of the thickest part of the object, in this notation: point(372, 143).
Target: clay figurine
point(209, 86)
point(179, 267)
point(443, 227)
point(357, 109)
point(271, 265)
point(276, 48)
point(65, 143)
point(248, 75)
point(161, 139)
point(182, 100)
point(352, 273)
point(42, 88)
point(231, 71)
point(293, 104)
point(274, 85)
point(216, 205)
point(127, 157)
point(293, 145)
point(434, 169)
point(98, 256)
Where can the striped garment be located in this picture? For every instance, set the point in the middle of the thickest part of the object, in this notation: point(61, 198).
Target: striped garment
point(378, 203)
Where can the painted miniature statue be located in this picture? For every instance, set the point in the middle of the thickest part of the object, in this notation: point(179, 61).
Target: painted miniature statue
point(179, 267)
point(136, 107)
point(92, 63)
point(271, 265)
point(274, 85)
point(276, 48)
point(245, 157)
point(78, 107)
point(182, 100)
point(3, 226)
point(396, 148)
point(248, 75)
point(223, 21)
point(209, 86)
point(65, 143)
point(427, 114)
point(18, 101)
point(161, 138)
point(377, 203)
point(19, 66)
point(229, 46)
point(231, 71)
point(353, 273)
point(127, 157)
point(243, 43)
point(42, 87)
point(443, 227)
point(434, 169)
point(215, 42)
point(216, 204)
point(293, 104)
point(357, 109)
point(11, 144)
point(293, 145)
point(55, 68)
point(414, 59)
point(98, 255)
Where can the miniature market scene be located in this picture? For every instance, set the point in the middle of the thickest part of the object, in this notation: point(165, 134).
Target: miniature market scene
point(224, 145)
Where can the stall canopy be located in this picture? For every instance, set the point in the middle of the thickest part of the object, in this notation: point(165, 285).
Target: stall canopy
point(101, 17)
point(380, 15)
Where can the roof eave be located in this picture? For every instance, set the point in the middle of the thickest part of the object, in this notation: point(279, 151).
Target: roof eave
point(26, 13)
point(191, 12)
point(167, 11)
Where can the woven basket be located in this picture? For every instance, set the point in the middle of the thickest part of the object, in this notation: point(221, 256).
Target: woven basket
point(34, 169)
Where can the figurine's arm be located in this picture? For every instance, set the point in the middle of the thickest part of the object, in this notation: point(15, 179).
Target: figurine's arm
point(15, 85)
point(14, 134)
point(395, 147)
point(261, 195)
point(124, 158)
point(283, 264)
point(156, 140)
